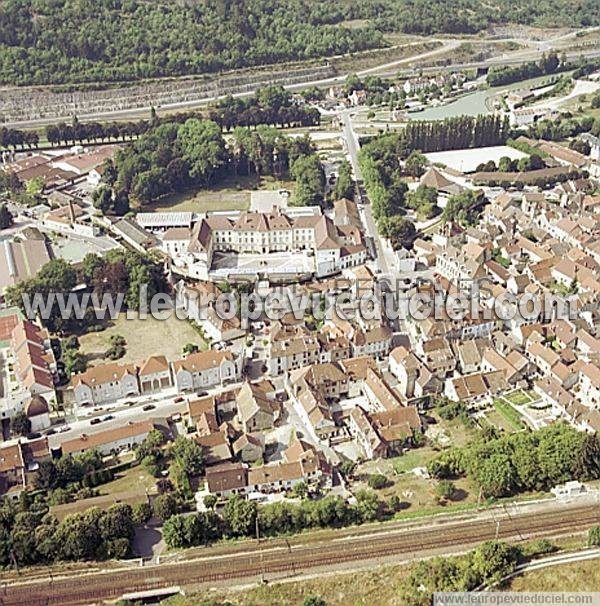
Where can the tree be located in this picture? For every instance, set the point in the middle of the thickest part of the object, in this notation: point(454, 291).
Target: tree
point(102, 199)
point(203, 148)
point(445, 489)
point(377, 481)
point(6, 219)
point(493, 560)
point(239, 516)
point(165, 506)
point(310, 181)
point(174, 532)
point(189, 348)
point(345, 187)
point(210, 500)
point(400, 231)
point(141, 513)
point(20, 424)
point(415, 164)
point(367, 506)
point(594, 536)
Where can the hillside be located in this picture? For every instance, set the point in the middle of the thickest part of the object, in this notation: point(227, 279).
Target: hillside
point(71, 41)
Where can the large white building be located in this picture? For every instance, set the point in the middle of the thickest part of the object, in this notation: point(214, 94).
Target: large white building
point(332, 247)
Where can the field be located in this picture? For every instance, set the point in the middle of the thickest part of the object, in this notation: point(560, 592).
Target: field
point(144, 338)
point(135, 479)
point(579, 576)
point(509, 413)
point(351, 589)
point(417, 493)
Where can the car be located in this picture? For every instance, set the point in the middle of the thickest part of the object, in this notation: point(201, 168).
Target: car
point(148, 407)
point(179, 399)
point(64, 429)
point(202, 393)
point(50, 432)
point(108, 418)
point(95, 421)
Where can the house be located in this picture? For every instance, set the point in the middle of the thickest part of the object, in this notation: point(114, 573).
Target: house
point(379, 393)
point(364, 434)
point(155, 375)
point(38, 413)
point(105, 383)
point(405, 366)
point(134, 235)
point(256, 411)
point(215, 448)
point(475, 387)
point(249, 448)
point(21, 257)
point(114, 440)
point(589, 385)
point(227, 479)
point(206, 369)
point(315, 412)
point(327, 378)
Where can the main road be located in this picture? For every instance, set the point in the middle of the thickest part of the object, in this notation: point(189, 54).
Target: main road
point(251, 562)
point(353, 148)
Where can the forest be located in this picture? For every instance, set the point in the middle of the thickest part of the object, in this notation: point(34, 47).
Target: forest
point(63, 41)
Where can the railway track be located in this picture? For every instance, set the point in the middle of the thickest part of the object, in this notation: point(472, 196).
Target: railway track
point(94, 587)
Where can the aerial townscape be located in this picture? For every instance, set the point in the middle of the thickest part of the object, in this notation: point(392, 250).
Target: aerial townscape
point(299, 301)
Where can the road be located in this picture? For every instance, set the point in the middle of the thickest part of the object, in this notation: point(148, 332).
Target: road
point(276, 559)
point(385, 69)
point(353, 148)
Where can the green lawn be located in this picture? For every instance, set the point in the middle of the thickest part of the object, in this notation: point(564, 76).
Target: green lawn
point(518, 398)
point(135, 479)
point(510, 414)
point(145, 338)
point(232, 194)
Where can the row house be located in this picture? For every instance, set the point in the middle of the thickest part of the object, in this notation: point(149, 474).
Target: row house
point(474, 388)
point(257, 410)
point(31, 365)
point(206, 369)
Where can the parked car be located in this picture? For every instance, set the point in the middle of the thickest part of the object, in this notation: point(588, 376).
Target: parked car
point(148, 407)
point(95, 421)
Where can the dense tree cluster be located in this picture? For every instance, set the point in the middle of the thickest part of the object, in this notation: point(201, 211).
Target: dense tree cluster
point(52, 41)
point(15, 138)
point(174, 157)
point(507, 74)
point(29, 535)
point(122, 274)
point(564, 127)
point(271, 105)
point(456, 133)
point(6, 218)
point(487, 564)
point(519, 462)
point(56, 41)
point(239, 518)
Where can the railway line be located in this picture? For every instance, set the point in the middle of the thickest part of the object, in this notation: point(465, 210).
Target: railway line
point(279, 561)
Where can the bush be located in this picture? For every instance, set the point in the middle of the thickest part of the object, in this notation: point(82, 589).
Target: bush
point(142, 512)
point(594, 536)
point(165, 506)
point(377, 481)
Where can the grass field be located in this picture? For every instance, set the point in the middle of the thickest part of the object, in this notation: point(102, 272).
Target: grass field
point(233, 194)
point(350, 589)
point(510, 414)
point(144, 338)
point(518, 398)
point(135, 479)
point(579, 576)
